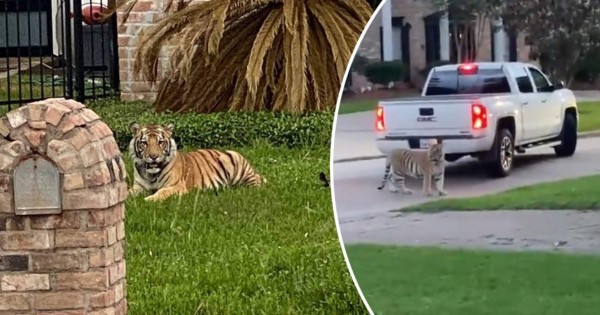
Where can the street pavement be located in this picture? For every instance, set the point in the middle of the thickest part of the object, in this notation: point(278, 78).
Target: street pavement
point(364, 212)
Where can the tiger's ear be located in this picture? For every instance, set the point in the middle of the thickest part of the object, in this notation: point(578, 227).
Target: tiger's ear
point(440, 141)
point(170, 127)
point(134, 127)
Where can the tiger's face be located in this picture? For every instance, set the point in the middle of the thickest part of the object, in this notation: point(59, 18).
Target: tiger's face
point(152, 146)
point(435, 152)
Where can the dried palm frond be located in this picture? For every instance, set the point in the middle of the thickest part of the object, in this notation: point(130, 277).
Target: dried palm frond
point(251, 54)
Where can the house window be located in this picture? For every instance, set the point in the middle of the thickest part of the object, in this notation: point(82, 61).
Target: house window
point(432, 37)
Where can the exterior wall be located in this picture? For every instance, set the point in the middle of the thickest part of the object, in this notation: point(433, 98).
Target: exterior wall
point(145, 13)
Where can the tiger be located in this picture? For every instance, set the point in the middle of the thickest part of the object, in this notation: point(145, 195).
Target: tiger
point(420, 164)
point(160, 169)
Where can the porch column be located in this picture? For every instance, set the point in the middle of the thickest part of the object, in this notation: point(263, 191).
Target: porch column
point(386, 24)
point(444, 37)
point(499, 41)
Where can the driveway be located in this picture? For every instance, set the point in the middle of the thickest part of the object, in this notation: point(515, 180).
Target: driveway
point(364, 212)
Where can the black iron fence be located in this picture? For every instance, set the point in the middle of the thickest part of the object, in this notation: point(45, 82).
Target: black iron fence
point(56, 48)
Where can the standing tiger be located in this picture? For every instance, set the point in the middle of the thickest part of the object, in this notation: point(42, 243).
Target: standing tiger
point(423, 164)
point(160, 169)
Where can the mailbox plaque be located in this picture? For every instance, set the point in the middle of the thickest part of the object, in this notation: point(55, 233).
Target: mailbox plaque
point(37, 187)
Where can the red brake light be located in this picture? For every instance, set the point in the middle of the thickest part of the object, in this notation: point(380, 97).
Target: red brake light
point(379, 123)
point(479, 116)
point(467, 69)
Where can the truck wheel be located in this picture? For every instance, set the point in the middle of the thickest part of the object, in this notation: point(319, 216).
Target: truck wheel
point(503, 153)
point(568, 137)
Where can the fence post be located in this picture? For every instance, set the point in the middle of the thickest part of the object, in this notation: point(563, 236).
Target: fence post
point(78, 45)
point(115, 82)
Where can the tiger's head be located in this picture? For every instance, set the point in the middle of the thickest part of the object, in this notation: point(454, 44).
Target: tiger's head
point(152, 147)
point(435, 152)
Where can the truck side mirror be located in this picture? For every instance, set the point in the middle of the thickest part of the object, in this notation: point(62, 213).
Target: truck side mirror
point(559, 85)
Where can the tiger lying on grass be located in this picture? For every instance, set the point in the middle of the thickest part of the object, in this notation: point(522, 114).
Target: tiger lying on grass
point(422, 164)
point(160, 169)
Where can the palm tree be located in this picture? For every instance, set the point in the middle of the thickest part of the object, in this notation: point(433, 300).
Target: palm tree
point(375, 3)
point(250, 55)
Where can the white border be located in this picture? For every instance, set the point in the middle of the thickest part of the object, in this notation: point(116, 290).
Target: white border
point(331, 157)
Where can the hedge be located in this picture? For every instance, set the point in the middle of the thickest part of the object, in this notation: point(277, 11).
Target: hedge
point(220, 130)
point(384, 72)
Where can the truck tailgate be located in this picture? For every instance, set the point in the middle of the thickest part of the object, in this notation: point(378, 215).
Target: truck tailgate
point(426, 117)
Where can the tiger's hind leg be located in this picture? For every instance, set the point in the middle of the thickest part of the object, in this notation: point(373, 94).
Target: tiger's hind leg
point(398, 185)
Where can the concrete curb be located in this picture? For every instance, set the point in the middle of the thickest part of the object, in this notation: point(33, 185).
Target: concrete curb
point(581, 135)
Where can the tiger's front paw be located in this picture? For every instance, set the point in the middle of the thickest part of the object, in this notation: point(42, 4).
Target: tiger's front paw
point(394, 189)
point(428, 194)
point(152, 198)
point(407, 192)
point(442, 193)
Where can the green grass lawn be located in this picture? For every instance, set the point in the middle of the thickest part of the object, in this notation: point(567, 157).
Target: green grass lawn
point(589, 116)
point(578, 194)
point(37, 86)
point(350, 107)
point(266, 250)
point(40, 87)
point(429, 281)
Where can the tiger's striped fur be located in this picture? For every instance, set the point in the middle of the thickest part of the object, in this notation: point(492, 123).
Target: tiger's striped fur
point(160, 169)
point(423, 164)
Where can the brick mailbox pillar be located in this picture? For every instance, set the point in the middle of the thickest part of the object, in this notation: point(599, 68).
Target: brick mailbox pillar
point(62, 232)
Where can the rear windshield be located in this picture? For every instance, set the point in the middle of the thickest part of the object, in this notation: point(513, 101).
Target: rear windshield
point(486, 81)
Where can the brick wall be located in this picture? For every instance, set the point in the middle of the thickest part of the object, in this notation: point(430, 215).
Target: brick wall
point(72, 262)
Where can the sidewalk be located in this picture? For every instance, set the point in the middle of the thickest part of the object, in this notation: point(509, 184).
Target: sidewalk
point(545, 230)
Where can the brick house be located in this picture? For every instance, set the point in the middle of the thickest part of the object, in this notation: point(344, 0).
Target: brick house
point(414, 28)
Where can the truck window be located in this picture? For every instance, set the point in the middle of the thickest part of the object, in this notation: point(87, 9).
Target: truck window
point(538, 78)
point(486, 81)
point(522, 78)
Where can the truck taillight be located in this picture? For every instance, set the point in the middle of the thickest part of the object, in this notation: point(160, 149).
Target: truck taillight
point(468, 69)
point(479, 116)
point(379, 123)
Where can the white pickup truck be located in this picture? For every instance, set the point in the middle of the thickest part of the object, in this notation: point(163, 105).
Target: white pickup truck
point(487, 110)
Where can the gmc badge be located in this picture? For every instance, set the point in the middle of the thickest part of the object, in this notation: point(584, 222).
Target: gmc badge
point(426, 119)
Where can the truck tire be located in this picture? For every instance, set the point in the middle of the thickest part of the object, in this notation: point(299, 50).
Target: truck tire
point(502, 154)
point(568, 137)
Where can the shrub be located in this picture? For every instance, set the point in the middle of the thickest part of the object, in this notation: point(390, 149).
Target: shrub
point(425, 71)
point(589, 71)
point(384, 72)
point(359, 63)
point(223, 129)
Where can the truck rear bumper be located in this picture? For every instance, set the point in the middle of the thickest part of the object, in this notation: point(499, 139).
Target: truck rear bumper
point(452, 144)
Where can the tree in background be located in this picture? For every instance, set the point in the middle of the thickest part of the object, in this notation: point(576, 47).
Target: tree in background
point(468, 21)
point(562, 33)
point(250, 55)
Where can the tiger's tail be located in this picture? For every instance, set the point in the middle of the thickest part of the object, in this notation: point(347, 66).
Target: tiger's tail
point(386, 175)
